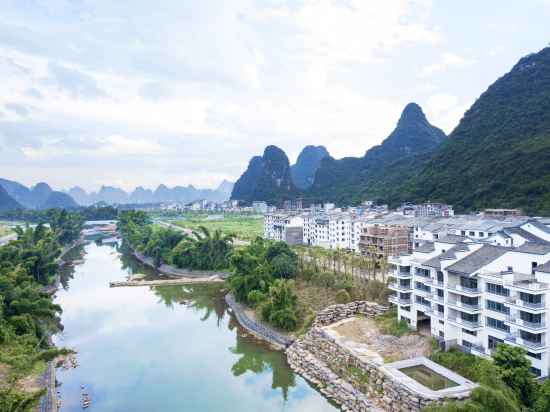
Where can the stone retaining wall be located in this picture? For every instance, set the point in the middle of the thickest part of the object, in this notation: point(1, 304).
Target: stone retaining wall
point(333, 367)
point(261, 331)
point(335, 313)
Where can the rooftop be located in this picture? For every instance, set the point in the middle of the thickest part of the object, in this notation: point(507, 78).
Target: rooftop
point(478, 259)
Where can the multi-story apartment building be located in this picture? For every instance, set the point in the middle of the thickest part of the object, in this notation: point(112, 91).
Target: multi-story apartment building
point(433, 210)
point(476, 295)
point(378, 241)
point(284, 227)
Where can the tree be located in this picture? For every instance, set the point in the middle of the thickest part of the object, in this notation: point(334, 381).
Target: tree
point(281, 306)
point(283, 266)
point(542, 404)
point(513, 368)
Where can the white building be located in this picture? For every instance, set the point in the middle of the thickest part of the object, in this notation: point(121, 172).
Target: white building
point(476, 295)
point(284, 227)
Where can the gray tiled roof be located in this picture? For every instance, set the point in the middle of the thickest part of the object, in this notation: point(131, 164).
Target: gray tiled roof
point(450, 238)
point(535, 248)
point(425, 247)
point(524, 234)
point(539, 226)
point(476, 260)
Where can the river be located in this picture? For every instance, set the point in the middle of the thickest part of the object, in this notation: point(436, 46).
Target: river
point(170, 348)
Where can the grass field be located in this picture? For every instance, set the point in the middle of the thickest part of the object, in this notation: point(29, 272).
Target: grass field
point(243, 227)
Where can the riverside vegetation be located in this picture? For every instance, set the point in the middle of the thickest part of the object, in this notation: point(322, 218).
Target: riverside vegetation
point(286, 286)
point(27, 315)
point(506, 384)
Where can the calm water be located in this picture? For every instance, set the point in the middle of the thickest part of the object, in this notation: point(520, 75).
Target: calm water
point(165, 349)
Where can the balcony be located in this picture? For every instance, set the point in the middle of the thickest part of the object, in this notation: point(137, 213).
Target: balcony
point(422, 275)
point(399, 287)
point(516, 339)
point(464, 323)
point(424, 304)
point(434, 297)
point(399, 301)
point(434, 282)
point(423, 292)
point(479, 350)
point(527, 306)
point(464, 290)
point(520, 323)
point(401, 275)
point(465, 307)
point(435, 313)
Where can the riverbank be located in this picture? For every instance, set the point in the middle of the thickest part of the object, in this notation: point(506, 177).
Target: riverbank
point(256, 328)
point(172, 271)
point(165, 282)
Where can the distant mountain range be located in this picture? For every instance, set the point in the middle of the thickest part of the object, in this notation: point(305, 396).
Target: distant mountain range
point(498, 155)
point(14, 195)
point(40, 196)
point(140, 195)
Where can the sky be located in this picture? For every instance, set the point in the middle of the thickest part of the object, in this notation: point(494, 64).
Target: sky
point(128, 93)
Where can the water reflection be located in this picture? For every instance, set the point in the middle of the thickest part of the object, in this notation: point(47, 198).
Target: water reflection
point(168, 348)
point(257, 359)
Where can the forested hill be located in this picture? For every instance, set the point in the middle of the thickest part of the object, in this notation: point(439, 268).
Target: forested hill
point(309, 160)
point(346, 180)
point(6, 201)
point(499, 154)
point(266, 178)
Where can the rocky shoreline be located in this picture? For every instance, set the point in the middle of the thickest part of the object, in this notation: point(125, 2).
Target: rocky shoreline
point(260, 330)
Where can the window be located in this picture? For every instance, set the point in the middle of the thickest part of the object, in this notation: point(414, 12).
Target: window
point(535, 371)
point(436, 236)
point(497, 289)
point(534, 355)
point(497, 324)
point(440, 308)
point(498, 307)
point(468, 283)
point(441, 322)
point(530, 317)
point(472, 233)
point(533, 267)
point(440, 293)
point(468, 317)
point(481, 234)
point(531, 337)
point(469, 332)
point(466, 343)
point(440, 276)
point(529, 298)
point(462, 233)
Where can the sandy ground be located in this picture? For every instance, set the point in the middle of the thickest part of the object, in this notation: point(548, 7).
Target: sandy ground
point(362, 335)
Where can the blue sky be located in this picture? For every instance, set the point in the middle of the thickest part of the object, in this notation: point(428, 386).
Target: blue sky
point(177, 92)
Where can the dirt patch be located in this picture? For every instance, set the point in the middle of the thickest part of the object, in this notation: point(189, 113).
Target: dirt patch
point(390, 348)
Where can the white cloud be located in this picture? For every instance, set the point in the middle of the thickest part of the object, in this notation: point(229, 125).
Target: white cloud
point(445, 110)
point(446, 61)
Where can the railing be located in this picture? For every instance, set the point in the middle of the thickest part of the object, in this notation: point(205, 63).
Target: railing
point(435, 312)
point(518, 340)
point(399, 301)
point(437, 298)
point(465, 323)
point(422, 274)
point(398, 286)
point(423, 292)
point(435, 282)
point(465, 306)
point(463, 289)
point(527, 305)
point(526, 324)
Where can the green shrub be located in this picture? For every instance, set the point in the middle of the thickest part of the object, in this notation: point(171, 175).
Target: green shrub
point(342, 296)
